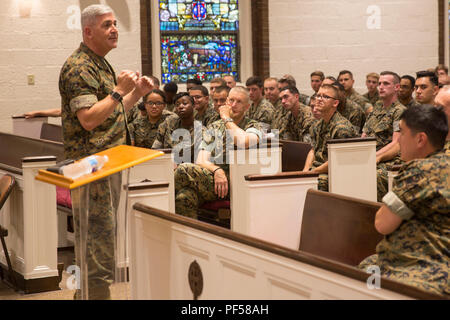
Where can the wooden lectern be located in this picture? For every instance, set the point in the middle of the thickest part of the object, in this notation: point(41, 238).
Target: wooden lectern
point(120, 158)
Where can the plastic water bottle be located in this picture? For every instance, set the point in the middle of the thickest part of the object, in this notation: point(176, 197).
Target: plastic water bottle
point(85, 166)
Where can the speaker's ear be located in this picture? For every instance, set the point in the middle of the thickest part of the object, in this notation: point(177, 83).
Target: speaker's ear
point(141, 106)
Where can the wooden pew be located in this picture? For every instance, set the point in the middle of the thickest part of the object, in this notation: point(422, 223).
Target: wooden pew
point(30, 214)
point(52, 132)
point(273, 206)
point(338, 227)
point(28, 127)
point(294, 155)
point(166, 249)
point(352, 167)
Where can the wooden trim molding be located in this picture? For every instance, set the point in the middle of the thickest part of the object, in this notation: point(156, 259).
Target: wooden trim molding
point(260, 38)
point(146, 38)
point(441, 38)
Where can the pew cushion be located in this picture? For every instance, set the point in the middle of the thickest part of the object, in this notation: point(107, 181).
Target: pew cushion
point(63, 197)
point(216, 205)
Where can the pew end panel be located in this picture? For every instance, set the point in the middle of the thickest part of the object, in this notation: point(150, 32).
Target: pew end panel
point(274, 206)
point(352, 167)
point(28, 127)
point(294, 155)
point(338, 227)
point(233, 266)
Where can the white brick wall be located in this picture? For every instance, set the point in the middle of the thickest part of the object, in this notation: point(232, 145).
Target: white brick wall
point(331, 35)
point(39, 44)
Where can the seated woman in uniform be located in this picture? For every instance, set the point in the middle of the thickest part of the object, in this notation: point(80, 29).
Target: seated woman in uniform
point(180, 132)
point(415, 215)
point(144, 128)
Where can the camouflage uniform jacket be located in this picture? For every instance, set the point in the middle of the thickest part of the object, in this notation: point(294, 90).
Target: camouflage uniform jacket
point(411, 103)
point(355, 114)
point(372, 99)
point(85, 79)
point(447, 147)
point(304, 99)
point(417, 252)
point(382, 122)
point(264, 112)
point(209, 116)
point(297, 129)
point(337, 128)
point(359, 99)
point(143, 132)
point(170, 107)
point(168, 137)
point(216, 140)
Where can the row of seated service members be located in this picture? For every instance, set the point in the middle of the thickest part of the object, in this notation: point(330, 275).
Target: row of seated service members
point(251, 113)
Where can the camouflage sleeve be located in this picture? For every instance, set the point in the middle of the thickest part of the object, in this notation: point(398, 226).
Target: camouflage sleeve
point(160, 134)
point(83, 87)
point(396, 118)
point(344, 130)
point(208, 141)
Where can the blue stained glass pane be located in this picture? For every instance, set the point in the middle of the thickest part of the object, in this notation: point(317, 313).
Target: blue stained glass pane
point(202, 56)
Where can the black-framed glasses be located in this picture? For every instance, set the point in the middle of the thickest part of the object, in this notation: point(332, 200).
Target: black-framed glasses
point(324, 97)
point(157, 103)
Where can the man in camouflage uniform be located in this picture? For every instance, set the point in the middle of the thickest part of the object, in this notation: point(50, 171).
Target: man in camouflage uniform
point(289, 81)
point(405, 97)
point(219, 99)
point(298, 118)
point(94, 105)
point(208, 179)
point(426, 87)
point(382, 124)
point(272, 93)
point(372, 94)
point(331, 126)
point(346, 79)
point(144, 128)
point(443, 100)
point(261, 109)
point(415, 215)
point(180, 132)
point(203, 111)
point(350, 109)
point(170, 89)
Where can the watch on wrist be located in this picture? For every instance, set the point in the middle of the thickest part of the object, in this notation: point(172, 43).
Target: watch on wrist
point(116, 96)
point(226, 120)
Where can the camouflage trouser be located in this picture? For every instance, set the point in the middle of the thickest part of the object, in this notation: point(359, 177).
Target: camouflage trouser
point(383, 177)
point(194, 186)
point(322, 183)
point(102, 197)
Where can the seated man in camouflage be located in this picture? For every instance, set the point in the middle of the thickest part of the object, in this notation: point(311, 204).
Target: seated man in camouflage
point(203, 111)
point(144, 128)
point(289, 81)
point(297, 120)
point(443, 100)
point(415, 215)
point(260, 109)
point(350, 109)
point(372, 94)
point(331, 126)
point(208, 179)
point(180, 132)
point(382, 124)
point(346, 79)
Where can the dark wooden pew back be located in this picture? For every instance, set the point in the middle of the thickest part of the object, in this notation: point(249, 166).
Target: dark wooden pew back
point(294, 155)
point(52, 132)
point(13, 148)
point(339, 227)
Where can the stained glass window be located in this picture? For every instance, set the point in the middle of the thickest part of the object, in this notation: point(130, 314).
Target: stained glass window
point(199, 39)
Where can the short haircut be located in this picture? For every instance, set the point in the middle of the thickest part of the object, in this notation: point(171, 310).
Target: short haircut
point(391, 73)
point(287, 78)
point(271, 79)
point(373, 75)
point(158, 92)
point(254, 80)
point(155, 80)
point(331, 78)
point(431, 75)
point(318, 73)
point(219, 80)
point(291, 89)
point(90, 13)
point(203, 89)
point(338, 85)
point(195, 81)
point(180, 95)
point(428, 119)
point(331, 87)
point(441, 67)
point(410, 78)
point(345, 72)
point(171, 87)
point(242, 90)
point(221, 89)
